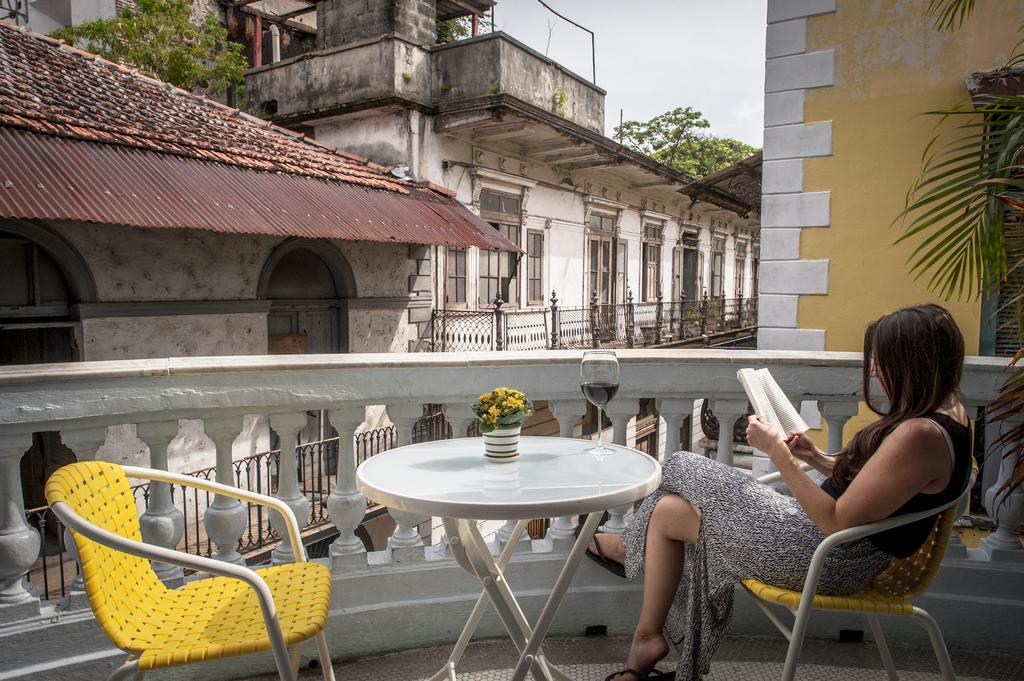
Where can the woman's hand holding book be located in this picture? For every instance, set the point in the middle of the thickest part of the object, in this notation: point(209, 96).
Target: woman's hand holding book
point(801, 447)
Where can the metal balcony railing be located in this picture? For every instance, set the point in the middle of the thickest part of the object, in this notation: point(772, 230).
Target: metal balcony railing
point(617, 325)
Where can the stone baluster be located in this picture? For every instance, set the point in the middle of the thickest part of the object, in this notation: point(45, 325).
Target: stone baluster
point(346, 505)
point(836, 415)
point(225, 518)
point(19, 542)
point(1008, 512)
point(84, 442)
point(727, 411)
point(405, 542)
point(673, 411)
point(562, 531)
point(620, 411)
point(287, 427)
point(162, 523)
point(459, 416)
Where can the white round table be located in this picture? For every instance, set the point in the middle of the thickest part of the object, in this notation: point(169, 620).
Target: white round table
point(552, 477)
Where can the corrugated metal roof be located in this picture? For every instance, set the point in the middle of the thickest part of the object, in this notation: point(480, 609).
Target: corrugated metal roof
point(54, 178)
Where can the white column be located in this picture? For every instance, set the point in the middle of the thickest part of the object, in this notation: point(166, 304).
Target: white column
point(287, 427)
point(226, 518)
point(620, 411)
point(727, 411)
point(19, 542)
point(673, 411)
point(459, 415)
point(346, 505)
point(836, 415)
point(1008, 512)
point(405, 542)
point(84, 442)
point(162, 523)
point(562, 531)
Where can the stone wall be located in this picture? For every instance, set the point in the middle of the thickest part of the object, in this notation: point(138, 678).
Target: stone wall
point(343, 21)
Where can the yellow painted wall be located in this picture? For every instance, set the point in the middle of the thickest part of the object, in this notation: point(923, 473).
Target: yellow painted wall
point(890, 66)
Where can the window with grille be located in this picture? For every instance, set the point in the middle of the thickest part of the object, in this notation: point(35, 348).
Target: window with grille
point(651, 266)
point(455, 285)
point(717, 266)
point(605, 260)
point(535, 267)
point(498, 275)
point(602, 223)
point(740, 263)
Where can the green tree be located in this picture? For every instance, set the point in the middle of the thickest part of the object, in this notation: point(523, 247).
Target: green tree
point(162, 40)
point(966, 214)
point(678, 138)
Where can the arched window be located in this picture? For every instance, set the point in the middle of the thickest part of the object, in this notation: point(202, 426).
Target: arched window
point(308, 282)
point(41, 277)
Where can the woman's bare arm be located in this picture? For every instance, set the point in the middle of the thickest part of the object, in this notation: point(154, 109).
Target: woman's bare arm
point(911, 458)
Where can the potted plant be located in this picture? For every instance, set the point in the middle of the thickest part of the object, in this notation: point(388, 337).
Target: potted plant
point(501, 413)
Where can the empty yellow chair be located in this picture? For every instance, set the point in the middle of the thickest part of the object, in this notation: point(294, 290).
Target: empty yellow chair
point(238, 612)
point(890, 592)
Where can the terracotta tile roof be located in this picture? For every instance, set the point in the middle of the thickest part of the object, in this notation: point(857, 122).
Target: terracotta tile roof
point(52, 88)
point(86, 139)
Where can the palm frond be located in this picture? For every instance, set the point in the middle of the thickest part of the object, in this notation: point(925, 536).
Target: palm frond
point(955, 210)
point(949, 15)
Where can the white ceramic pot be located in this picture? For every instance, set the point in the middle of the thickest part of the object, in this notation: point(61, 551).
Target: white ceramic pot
point(502, 444)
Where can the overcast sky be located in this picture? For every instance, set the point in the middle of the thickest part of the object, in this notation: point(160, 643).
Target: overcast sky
point(655, 55)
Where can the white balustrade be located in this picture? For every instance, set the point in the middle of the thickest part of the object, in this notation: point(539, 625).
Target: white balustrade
point(162, 523)
point(287, 427)
point(620, 411)
point(19, 542)
point(459, 416)
point(673, 411)
point(225, 518)
point(562, 531)
point(83, 442)
point(154, 393)
point(1008, 512)
point(836, 414)
point(345, 504)
point(727, 411)
point(405, 542)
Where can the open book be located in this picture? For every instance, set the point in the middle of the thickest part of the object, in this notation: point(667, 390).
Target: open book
point(769, 402)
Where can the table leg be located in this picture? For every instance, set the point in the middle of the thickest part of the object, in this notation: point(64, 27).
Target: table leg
point(473, 555)
point(547, 614)
point(448, 671)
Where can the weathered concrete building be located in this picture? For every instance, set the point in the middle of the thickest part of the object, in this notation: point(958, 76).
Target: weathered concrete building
point(519, 140)
point(140, 221)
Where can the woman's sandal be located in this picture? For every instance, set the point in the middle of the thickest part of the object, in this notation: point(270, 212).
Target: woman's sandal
point(616, 568)
point(655, 675)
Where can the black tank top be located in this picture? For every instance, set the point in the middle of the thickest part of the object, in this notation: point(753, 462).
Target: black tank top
point(902, 542)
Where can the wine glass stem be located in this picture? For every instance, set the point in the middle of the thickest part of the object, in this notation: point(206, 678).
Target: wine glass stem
point(600, 428)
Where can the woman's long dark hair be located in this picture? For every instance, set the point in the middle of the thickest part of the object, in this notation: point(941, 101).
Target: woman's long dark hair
point(919, 357)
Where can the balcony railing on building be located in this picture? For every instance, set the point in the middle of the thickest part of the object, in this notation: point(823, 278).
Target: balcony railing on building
point(662, 323)
point(55, 570)
point(318, 481)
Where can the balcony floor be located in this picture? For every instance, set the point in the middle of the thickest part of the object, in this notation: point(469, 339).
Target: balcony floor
point(740, 658)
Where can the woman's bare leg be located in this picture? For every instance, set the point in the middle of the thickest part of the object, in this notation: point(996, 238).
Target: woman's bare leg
point(674, 522)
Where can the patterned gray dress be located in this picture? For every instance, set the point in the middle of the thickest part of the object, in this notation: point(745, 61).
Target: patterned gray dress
point(747, 530)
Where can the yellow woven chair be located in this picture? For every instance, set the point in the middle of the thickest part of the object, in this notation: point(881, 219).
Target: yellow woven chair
point(889, 593)
point(241, 611)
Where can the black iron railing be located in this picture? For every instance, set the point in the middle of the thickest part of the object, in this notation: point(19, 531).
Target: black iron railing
point(628, 324)
point(317, 463)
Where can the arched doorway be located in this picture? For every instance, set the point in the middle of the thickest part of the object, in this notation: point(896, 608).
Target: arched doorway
point(41, 278)
point(308, 283)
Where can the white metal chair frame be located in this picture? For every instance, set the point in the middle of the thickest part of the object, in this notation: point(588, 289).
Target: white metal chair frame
point(287, 661)
point(802, 614)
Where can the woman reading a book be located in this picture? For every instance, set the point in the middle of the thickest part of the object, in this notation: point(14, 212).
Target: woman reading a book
point(708, 525)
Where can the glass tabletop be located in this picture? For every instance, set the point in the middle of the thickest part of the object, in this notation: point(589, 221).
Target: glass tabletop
point(552, 477)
